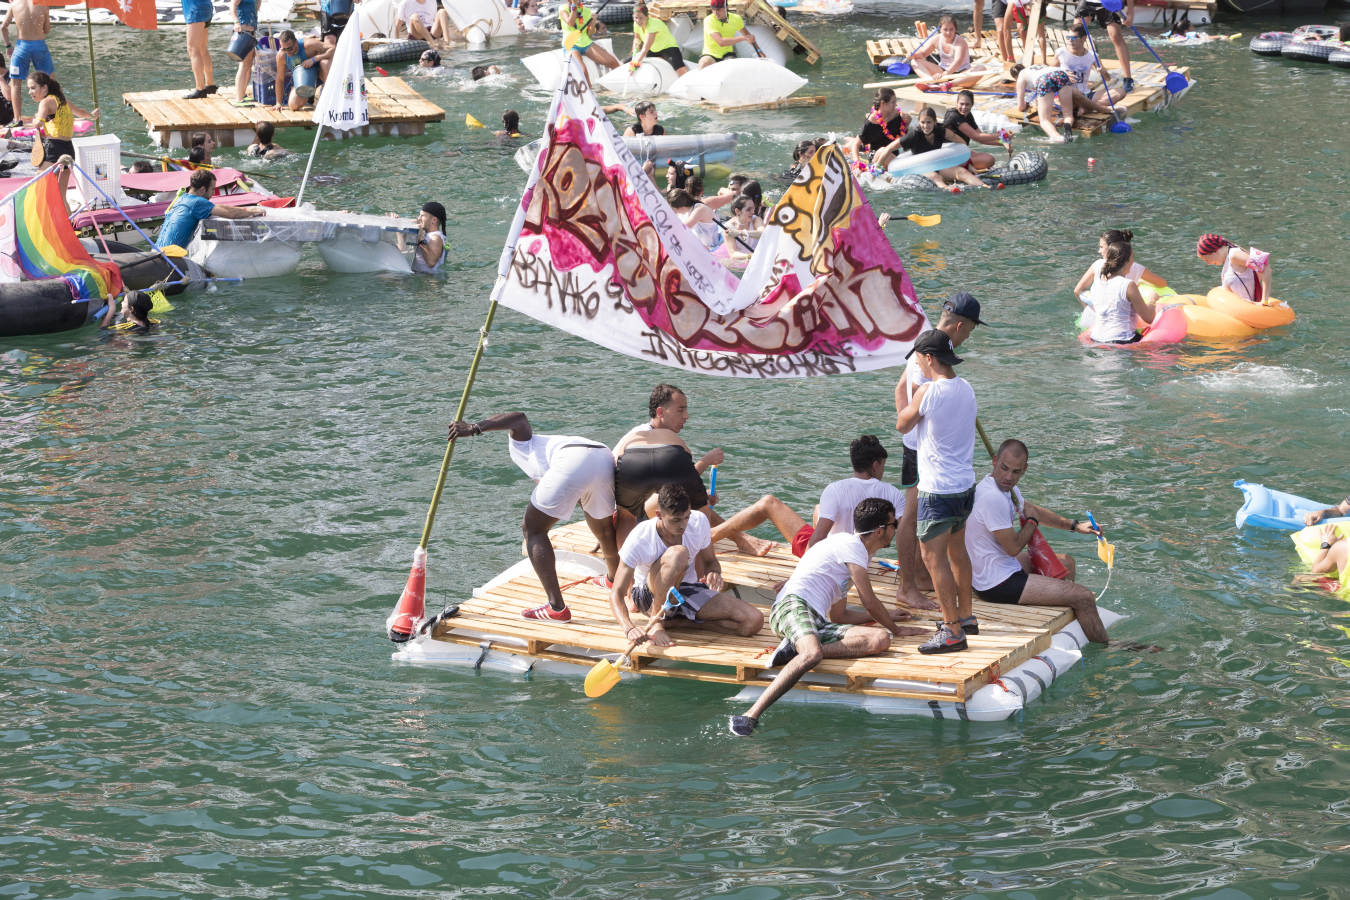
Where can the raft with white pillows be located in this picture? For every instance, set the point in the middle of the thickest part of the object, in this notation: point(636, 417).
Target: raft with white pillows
point(690, 148)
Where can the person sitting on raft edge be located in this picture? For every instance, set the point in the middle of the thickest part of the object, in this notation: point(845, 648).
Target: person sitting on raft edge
point(811, 611)
point(1245, 272)
point(996, 543)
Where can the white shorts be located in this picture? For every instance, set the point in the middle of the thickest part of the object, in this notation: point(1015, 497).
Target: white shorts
point(582, 475)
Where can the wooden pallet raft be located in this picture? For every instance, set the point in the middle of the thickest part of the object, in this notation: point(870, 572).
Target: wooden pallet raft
point(1009, 635)
point(395, 110)
point(881, 49)
point(755, 12)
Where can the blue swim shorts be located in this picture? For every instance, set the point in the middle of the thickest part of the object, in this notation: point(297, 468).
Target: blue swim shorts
point(26, 53)
point(197, 11)
point(941, 513)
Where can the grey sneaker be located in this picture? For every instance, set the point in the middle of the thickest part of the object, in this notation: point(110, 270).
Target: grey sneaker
point(970, 625)
point(943, 642)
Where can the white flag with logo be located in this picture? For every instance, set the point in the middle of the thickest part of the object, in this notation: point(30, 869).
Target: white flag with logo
point(342, 103)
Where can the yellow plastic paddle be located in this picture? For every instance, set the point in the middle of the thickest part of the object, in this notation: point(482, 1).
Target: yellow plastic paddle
point(605, 674)
point(471, 122)
point(921, 221)
point(1106, 551)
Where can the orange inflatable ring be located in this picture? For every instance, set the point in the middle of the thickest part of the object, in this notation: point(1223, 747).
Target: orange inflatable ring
point(1270, 314)
point(1210, 324)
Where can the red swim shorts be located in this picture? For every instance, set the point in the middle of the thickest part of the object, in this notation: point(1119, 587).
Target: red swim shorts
point(801, 539)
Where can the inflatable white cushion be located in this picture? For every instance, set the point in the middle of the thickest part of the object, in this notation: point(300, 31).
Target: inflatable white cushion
point(652, 78)
point(547, 67)
point(737, 82)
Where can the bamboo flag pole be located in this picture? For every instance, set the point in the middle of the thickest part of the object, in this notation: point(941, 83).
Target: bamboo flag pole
point(93, 76)
point(411, 607)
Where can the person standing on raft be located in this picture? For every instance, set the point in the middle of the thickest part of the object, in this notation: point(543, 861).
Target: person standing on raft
point(1245, 272)
point(567, 471)
point(1000, 566)
point(811, 612)
point(722, 31)
point(943, 412)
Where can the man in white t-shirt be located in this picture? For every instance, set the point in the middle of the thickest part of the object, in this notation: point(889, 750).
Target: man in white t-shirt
point(943, 412)
point(1000, 567)
point(674, 551)
point(567, 471)
point(812, 615)
point(424, 20)
point(960, 315)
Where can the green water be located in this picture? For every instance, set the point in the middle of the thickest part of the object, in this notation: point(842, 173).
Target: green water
point(202, 532)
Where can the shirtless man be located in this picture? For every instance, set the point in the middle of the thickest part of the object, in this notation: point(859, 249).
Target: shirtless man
point(996, 543)
point(674, 550)
point(34, 24)
point(567, 471)
point(960, 315)
point(654, 454)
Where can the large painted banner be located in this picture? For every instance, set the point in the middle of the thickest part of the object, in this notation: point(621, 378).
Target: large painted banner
point(596, 251)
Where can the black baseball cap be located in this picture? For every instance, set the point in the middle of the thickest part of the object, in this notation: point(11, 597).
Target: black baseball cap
point(937, 345)
point(964, 305)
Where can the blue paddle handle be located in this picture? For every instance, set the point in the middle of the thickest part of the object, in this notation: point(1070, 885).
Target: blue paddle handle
point(712, 484)
point(1147, 46)
point(887, 564)
point(1093, 522)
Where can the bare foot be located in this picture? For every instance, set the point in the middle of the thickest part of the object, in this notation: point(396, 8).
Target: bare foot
point(915, 600)
point(752, 545)
point(909, 631)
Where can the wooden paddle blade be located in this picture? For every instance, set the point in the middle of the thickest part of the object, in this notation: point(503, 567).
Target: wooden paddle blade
point(925, 221)
point(602, 676)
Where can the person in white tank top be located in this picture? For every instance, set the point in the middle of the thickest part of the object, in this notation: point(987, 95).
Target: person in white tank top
point(1136, 272)
point(1114, 298)
point(952, 51)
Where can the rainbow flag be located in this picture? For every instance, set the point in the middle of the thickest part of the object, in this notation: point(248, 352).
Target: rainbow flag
point(37, 241)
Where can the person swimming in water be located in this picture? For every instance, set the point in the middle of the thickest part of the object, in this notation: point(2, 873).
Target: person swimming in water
point(1245, 272)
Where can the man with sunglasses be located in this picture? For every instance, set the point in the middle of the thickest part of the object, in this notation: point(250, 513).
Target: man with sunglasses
point(811, 612)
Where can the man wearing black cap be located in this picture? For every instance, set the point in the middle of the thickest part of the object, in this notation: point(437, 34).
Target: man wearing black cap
point(960, 315)
point(942, 411)
point(430, 250)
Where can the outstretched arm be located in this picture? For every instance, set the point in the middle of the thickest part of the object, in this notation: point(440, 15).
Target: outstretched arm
point(874, 607)
point(514, 422)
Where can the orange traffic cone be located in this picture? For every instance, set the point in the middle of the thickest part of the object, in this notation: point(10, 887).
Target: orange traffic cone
point(412, 607)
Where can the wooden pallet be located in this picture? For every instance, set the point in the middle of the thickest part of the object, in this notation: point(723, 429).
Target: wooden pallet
point(1009, 635)
point(1149, 93)
point(395, 109)
point(881, 49)
point(785, 103)
point(755, 12)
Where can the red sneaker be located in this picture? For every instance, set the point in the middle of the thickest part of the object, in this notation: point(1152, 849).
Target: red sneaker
point(547, 612)
point(602, 581)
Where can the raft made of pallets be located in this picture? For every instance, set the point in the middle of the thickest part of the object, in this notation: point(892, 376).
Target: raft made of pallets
point(755, 12)
point(785, 103)
point(396, 110)
point(990, 681)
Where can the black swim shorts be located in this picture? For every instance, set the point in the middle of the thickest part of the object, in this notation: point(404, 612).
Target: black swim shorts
point(642, 470)
point(909, 468)
point(673, 56)
point(331, 24)
point(1009, 590)
point(1099, 14)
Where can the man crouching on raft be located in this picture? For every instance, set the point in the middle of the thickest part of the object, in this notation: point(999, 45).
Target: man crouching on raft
point(567, 471)
point(674, 551)
point(1000, 566)
point(811, 612)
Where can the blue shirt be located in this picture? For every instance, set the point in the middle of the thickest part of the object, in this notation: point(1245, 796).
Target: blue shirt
point(181, 220)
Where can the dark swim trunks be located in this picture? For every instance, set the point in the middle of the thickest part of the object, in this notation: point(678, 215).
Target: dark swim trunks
point(642, 470)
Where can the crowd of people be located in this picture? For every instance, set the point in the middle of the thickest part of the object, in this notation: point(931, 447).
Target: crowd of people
point(656, 526)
